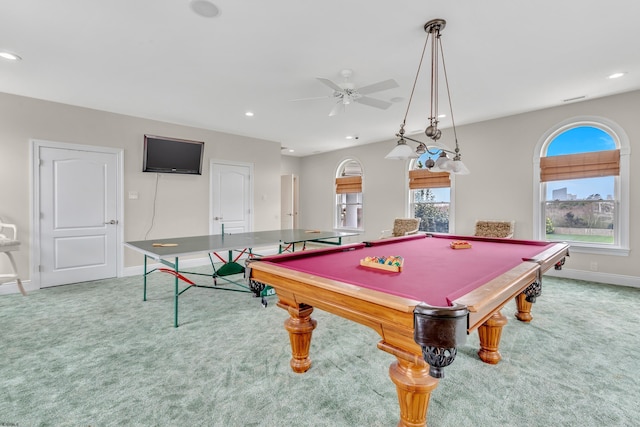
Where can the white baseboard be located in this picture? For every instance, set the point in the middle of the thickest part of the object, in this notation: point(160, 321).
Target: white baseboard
point(7, 288)
point(596, 276)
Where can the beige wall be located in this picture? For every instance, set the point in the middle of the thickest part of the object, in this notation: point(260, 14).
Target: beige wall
point(499, 154)
point(183, 200)
point(290, 165)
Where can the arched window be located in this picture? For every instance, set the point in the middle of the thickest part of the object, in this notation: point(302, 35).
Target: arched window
point(349, 195)
point(582, 174)
point(430, 196)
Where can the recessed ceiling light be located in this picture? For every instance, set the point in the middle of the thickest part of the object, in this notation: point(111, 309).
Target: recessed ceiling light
point(249, 114)
point(204, 8)
point(291, 150)
point(616, 75)
point(9, 56)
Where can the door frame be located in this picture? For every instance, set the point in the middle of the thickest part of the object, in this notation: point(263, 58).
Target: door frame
point(34, 147)
point(291, 198)
point(230, 163)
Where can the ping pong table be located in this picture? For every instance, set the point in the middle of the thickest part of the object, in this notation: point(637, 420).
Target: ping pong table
point(169, 251)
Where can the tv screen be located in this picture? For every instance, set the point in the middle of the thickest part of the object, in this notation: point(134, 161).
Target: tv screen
point(171, 155)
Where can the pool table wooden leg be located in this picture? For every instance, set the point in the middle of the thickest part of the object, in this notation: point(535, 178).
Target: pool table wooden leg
point(414, 387)
point(300, 326)
point(489, 333)
point(524, 308)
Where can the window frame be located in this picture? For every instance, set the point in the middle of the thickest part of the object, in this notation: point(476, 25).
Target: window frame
point(338, 196)
point(621, 185)
point(412, 164)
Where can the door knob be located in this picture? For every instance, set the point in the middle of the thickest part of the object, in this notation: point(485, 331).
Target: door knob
point(217, 218)
point(112, 222)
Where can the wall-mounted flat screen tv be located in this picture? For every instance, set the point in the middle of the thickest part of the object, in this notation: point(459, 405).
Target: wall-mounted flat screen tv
point(171, 155)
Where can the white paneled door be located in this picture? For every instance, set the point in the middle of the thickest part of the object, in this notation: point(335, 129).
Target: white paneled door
point(231, 196)
point(78, 224)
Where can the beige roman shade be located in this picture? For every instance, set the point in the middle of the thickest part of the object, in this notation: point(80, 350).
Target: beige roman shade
point(582, 165)
point(349, 184)
point(423, 178)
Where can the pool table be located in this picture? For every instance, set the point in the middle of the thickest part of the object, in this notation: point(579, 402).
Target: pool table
point(423, 312)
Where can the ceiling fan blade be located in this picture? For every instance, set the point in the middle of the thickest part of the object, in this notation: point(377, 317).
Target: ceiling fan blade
point(378, 87)
point(329, 83)
point(372, 102)
point(338, 108)
point(312, 98)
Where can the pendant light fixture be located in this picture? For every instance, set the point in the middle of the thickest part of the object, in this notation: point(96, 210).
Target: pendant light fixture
point(402, 150)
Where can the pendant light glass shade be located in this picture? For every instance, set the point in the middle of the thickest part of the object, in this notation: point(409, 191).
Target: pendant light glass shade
point(402, 152)
point(459, 168)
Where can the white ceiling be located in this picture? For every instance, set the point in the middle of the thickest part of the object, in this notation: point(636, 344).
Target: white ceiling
point(157, 59)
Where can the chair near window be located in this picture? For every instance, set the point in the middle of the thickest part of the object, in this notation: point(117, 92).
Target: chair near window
point(8, 244)
point(402, 227)
point(490, 228)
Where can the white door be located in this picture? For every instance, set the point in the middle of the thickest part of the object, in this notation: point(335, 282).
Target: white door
point(231, 197)
point(288, 202)
point(78, 239)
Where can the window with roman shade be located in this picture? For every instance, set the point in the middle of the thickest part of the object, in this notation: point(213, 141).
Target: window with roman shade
point(578, 166)
point(583, 176)
point(423, 178)
point(348, 185)
point(429, 196)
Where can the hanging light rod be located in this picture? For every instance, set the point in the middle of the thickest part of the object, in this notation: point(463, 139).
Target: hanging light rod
point(402, 151)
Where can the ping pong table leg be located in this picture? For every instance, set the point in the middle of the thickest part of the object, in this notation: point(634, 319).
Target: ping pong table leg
point(175, 297)
point(144, 281)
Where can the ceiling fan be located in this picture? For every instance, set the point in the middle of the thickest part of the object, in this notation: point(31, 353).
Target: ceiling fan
point(345, 93)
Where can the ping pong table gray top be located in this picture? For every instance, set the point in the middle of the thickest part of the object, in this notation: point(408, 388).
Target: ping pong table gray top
point(183, 246)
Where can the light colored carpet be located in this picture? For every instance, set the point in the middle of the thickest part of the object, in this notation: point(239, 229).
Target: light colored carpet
point(94, 354)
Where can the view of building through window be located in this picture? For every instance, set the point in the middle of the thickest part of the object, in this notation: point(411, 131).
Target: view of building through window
point(582, 209)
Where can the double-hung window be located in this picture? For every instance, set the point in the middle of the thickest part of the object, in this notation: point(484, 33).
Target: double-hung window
point(430, 197)
point(583, 178)
point(349, 196)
